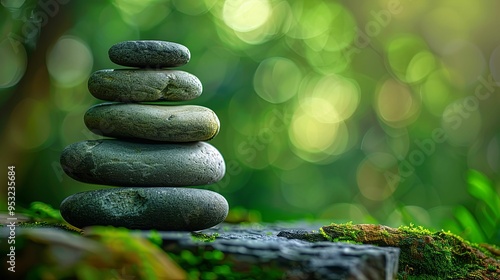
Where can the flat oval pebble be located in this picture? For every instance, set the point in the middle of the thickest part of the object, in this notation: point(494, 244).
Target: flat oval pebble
point(186, 123)
point(155, 54)
point(133, 164)
point(146, 208)
point(136, 85)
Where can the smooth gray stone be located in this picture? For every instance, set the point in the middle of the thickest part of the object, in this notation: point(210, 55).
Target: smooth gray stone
point(146, 208)
point(154, 54)
point(186, 123)
point(131, 164)
point(136, 85)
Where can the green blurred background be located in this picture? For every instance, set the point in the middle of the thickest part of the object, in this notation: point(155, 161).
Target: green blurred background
point(363, 111)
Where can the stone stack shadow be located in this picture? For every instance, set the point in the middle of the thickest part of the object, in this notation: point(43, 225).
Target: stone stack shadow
point(158, 151)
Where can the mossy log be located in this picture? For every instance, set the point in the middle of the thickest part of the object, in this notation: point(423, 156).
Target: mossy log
point(424, 254)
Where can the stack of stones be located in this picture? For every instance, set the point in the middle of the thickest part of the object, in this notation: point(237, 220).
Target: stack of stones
point(159, 150)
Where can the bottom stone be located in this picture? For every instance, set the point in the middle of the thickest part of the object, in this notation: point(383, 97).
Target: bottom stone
point(146, 208)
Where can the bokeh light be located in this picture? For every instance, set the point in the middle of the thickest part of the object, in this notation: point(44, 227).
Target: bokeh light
point(316, 141)
point(310, 134)
point(329, 99)
point(421, 65)
point(396, 105)
point(341, 33)
point(279, 155)
point(312, 18)
point(495, 64)
point(194, 7)
point(380, 146)
point(464, 61)
point(112, 29)
point(462, 121)
point(13, 4)
point(277, 79)
point(493, 153)
point(144, 14)
point(409, 213)
point(293, 184)
point(32, 127)
point(69, 61)
point(436, 92)
point(339, 212)
point(246, 15)
point(375, 183)
point(318, 132)
point(14, 61)
point(239, 108)
point(408, 58)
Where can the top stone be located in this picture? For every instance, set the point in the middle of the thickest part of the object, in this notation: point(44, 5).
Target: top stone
point(149, 54)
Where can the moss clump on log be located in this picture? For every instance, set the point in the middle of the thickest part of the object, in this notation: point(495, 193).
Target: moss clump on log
point(203, 237)
point(424, 254)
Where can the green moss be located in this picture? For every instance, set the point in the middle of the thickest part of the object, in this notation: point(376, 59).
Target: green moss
point(40, 211)
point(42, 215)
point(436, 256)
point(415, 229)
point(203, 237)
point(348, 234)
point(445, 254)
point(423, 254)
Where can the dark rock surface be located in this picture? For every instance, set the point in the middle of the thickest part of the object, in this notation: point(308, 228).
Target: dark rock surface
point(146, 208)
point(149, 53)
point(132, 164)
point(300, 259)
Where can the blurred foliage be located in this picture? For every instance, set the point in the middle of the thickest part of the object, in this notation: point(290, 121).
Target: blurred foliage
point(213, 264)
point(370, 111)
point(482, 224)
point(39, 211)
point(238, 215)
point(102, 253)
